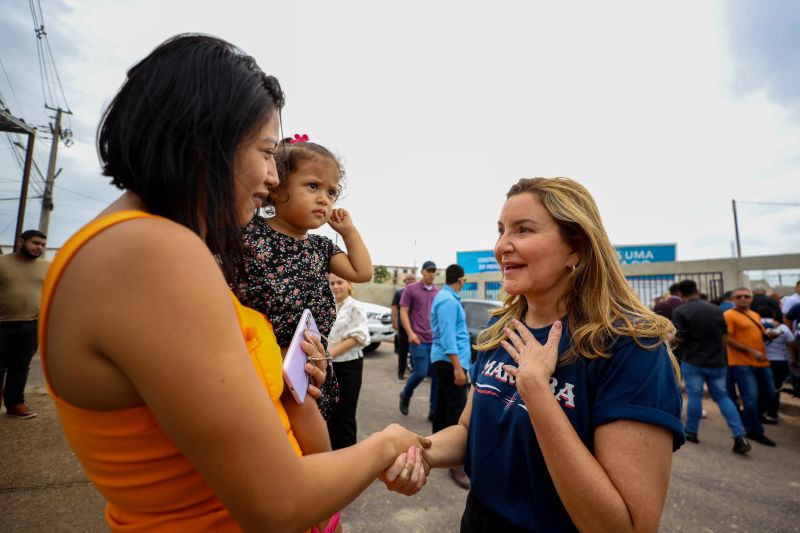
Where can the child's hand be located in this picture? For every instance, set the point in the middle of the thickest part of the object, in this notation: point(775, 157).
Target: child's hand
point(340, 221)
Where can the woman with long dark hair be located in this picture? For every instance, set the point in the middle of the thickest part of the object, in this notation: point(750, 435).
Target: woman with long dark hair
point(167, 388)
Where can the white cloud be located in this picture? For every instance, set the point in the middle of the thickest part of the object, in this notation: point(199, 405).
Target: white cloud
point(437, 108)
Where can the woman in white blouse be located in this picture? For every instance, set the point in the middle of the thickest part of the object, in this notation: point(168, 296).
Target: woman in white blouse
point(345, 342)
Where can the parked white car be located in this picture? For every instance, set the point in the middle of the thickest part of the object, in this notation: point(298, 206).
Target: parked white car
point(380, 324)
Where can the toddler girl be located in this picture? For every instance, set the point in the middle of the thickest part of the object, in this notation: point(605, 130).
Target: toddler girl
point(287, 268)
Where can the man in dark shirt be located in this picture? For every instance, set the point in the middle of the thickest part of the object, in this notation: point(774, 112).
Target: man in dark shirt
point(668, 306)
point(700, 331)
point(792, 319)
point(401, 339)
point(760, 299)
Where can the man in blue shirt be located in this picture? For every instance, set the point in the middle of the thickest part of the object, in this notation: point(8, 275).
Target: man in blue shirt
point(450, 357)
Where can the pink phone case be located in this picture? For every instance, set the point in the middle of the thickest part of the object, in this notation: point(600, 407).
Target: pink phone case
point(294, 363)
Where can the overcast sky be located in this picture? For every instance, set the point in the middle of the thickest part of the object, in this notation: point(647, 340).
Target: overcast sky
point(664, 111)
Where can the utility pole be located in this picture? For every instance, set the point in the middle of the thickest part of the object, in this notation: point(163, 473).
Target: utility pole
point(736, 227)
point(23, 194)
point(47, 196)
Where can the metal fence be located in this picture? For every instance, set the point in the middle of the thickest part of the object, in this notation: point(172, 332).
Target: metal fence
point(491, 292)
point(650, 287)
point(646, 287)
point(493, 289)
point(470, 291)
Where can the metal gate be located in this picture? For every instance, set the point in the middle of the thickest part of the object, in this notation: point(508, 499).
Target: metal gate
point(650, 287)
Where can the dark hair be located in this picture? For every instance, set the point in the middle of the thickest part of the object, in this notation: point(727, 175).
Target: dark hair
point(31, 233)
point(171, 133)
point(289, 156)
point(766, 312)
point(673, 289)
point(453, 274)
point(687, 287)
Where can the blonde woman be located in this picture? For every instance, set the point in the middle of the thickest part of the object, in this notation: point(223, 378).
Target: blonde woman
point(349, 335)
point(576, 408)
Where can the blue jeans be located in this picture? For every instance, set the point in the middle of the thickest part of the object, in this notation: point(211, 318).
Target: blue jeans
point(421, 356)
point(766, 386)
point(747, 379)
point(715, 378)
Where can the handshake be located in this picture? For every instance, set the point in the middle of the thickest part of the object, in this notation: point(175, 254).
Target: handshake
point(409, 471)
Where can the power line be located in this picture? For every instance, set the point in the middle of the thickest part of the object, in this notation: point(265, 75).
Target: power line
point(15, 198)
point(10, 86)
point(59, 187)
point(50, 80)
point(18, 157)
point(789, 204)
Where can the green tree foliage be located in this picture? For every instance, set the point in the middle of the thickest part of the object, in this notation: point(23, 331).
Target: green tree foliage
point(381, 274)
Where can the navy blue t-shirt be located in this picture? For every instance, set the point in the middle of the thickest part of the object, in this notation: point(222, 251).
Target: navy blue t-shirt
point(504, 461)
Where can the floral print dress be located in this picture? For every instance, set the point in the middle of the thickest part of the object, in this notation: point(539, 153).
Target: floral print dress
point(286, 275)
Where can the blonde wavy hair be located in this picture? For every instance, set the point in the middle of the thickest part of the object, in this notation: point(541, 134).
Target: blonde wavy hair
point(600, 304)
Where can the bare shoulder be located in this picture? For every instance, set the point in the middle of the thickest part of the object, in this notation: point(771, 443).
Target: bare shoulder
point(146, 239)
point(130, 292)
point(147, 265)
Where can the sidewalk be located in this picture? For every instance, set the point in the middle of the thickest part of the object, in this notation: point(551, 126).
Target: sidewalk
point(42, 487)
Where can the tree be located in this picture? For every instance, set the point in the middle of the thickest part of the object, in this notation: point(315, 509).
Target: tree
point(381, 274)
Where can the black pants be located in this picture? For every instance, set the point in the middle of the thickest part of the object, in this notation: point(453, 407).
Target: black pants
point(342, 423)
point(18, 343)
point(478, 518)
point(450, 398)
point(401, 349)
point(780, 369)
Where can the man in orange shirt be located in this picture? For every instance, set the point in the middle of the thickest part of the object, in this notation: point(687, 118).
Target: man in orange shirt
point(747, 363)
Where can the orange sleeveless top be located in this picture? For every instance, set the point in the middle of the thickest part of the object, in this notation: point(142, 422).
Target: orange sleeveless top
point(147, 482)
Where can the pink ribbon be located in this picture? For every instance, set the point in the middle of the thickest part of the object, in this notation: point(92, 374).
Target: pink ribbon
point(299, 138)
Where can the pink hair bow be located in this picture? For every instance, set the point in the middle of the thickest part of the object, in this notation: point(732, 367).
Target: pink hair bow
point(299, 138)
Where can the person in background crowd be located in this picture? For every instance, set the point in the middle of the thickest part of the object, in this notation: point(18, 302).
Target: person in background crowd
point(747, 363)
point(792, 318)
point(700, 330)
point(450, 357)
point(760, 299)
point(775, 296)
point(670, 303)
point(21, 276)
point(791, 300)
point(349, 335)
point(401, 338)
point(727, 301)
point(781, 351)
point(415, 313)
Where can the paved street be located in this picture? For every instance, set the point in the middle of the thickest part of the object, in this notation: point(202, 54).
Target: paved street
point(42, 487)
